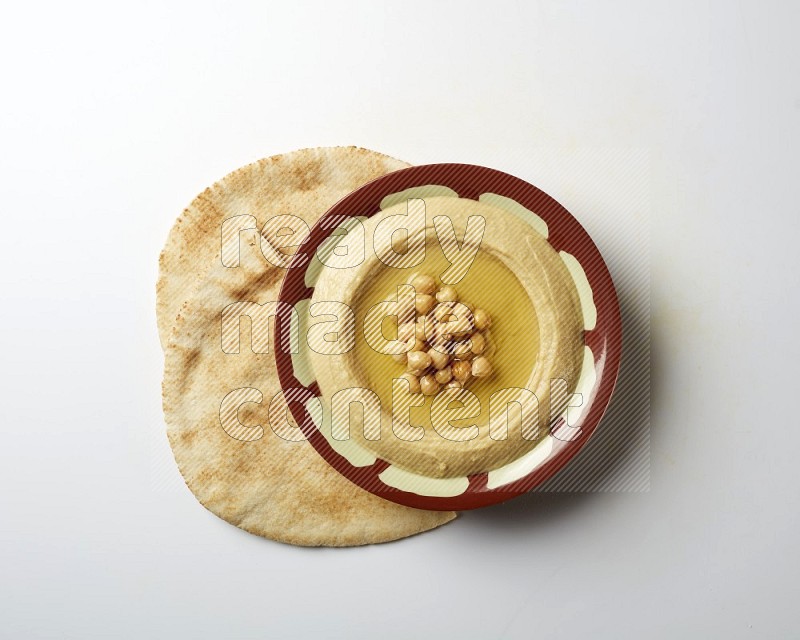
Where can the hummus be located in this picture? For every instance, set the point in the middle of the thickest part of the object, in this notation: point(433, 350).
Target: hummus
point(537, 337)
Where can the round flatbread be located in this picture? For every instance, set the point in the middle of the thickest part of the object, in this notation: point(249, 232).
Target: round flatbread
point(304, 183)
point(251, 477)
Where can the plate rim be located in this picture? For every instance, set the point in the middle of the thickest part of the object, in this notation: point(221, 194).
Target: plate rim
point(564, 233)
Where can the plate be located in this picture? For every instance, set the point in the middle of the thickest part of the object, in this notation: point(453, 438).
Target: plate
point(602, 338)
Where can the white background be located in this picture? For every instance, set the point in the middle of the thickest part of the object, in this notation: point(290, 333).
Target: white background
point(115, 115)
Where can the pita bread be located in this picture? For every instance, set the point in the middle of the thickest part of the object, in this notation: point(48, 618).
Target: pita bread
point(268, 486)
point(305, 183)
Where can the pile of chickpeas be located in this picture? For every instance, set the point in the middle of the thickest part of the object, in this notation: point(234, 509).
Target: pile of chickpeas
point(457, 328)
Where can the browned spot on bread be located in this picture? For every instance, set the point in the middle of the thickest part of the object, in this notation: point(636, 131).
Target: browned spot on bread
point(307, 176)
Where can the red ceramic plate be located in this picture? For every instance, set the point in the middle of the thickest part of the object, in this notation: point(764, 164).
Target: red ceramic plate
point(602, 338)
